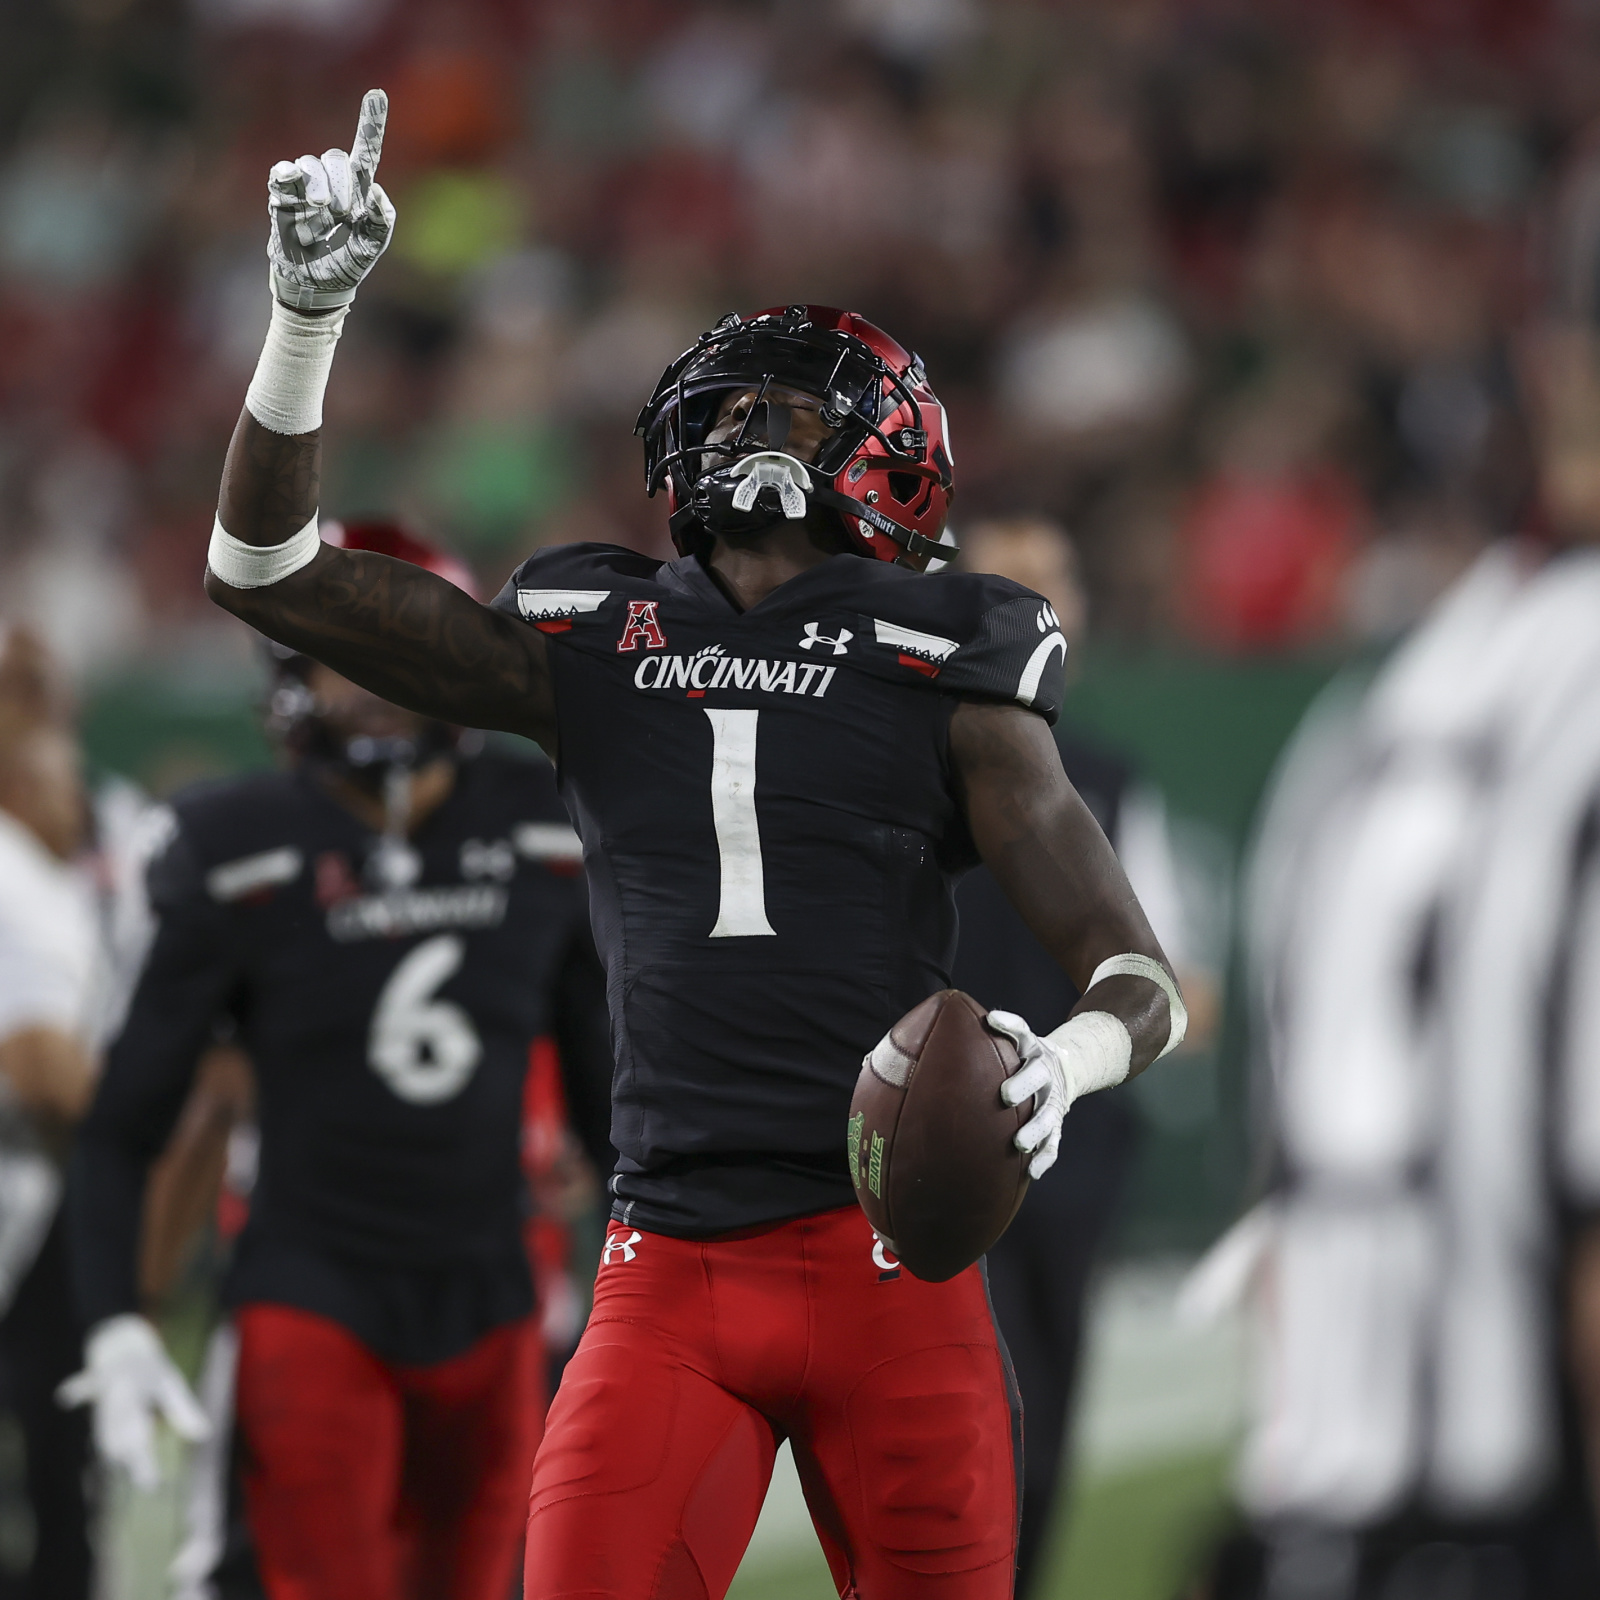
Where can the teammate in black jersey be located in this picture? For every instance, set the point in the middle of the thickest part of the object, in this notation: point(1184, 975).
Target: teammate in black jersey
point(389, 923)
point(779, 750)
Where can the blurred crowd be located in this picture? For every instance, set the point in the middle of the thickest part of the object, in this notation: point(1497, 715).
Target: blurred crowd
point(1230, 288)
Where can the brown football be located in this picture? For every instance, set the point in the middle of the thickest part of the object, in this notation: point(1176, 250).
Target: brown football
point(930, 1140)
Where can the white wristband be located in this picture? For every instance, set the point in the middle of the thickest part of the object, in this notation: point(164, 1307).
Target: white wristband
point(254, 566)
point(285, 394)
point(1137, 966)
point(1096, 1051)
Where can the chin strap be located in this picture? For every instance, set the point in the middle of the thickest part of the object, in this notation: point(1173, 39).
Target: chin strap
point(916, 545)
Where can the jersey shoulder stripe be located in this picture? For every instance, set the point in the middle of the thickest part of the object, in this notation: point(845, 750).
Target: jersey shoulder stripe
point(930, 645)
point(266, 869)
point(550, 605)
point(971, 633)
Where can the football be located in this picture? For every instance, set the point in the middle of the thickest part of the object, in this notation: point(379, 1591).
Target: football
point(930, 1141)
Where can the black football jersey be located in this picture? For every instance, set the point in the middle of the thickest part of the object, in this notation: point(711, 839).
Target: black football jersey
point(387, 994)
point(771, 835)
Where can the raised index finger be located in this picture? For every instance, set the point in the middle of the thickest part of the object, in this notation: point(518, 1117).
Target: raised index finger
point(368, 143)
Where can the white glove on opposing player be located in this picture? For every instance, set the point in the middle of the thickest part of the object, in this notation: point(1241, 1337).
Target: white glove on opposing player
point(330, 219)
point(129, 1379)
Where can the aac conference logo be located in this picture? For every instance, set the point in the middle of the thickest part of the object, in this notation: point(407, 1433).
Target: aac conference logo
point(643, 627)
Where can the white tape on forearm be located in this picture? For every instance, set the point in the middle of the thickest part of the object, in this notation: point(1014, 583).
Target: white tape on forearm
point(1096, 1051)
point(286, 392)
point(254, 566)
point(1137, 966)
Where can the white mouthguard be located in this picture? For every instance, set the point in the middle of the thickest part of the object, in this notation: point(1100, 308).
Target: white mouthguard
point(788, 476)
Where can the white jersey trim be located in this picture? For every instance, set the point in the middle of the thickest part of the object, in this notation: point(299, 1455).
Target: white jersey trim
point(233, 880)
point(547, 841)
point(928, 645)
point(551, 605)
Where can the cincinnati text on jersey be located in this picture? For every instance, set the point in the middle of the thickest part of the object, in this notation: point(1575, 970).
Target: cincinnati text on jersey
point(400, 913)
point(711, 669)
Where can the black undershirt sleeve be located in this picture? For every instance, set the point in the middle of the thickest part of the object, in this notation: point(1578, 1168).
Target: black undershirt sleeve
point(582, 1029)
point(187, 983)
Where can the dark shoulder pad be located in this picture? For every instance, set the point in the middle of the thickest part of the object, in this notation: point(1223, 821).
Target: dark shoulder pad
point(222, 816)
point(175, 878)
point(996, 639)
point(567, 580)
point(244, 834)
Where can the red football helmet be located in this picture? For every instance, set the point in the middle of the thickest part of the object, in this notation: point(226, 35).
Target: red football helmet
point(390, 539)
point(885, 469)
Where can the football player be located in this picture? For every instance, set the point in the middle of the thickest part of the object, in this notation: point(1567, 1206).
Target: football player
point(779, 749)
point(388, 923)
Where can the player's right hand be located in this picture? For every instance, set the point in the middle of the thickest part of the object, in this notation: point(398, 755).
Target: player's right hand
point(129, 1380)
point(330, 218)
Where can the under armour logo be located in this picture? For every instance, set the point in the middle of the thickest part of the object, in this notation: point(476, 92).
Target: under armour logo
point(814, 635)
point(617, 1242)
point(492, 860)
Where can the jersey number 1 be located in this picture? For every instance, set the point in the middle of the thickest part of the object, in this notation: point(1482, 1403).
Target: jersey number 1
point(742, 901)
point(424, 1048)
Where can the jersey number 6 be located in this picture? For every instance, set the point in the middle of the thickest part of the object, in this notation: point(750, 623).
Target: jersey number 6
point(742, 901)
point(424, 1048)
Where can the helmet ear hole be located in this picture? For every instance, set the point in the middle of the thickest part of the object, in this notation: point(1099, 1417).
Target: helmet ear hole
point(904, 485)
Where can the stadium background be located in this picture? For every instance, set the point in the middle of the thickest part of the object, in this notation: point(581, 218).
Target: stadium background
point(1233, 289)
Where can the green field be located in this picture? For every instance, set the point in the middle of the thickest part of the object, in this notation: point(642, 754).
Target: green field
point(1139, 1535)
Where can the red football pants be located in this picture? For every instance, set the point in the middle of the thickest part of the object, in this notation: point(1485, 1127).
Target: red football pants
point(365, 1480)
point(700, 1356)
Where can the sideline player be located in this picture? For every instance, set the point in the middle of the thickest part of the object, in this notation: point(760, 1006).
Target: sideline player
point(54, 973)
point(388, 923)
point(778, 749)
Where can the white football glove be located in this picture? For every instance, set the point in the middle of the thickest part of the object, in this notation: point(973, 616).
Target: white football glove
point(330, 219)
point(1041, 1075)
point(129, 1379)
point(1090, 1050)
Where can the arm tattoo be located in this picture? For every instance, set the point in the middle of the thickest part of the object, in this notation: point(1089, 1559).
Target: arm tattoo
point(270, 483)
point(397, 630)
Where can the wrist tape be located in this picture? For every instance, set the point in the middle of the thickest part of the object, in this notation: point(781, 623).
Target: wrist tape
point(254, 566)
point(285, 395)
point(1095, 1047)
point(1096, 1052)
point(1134, 966)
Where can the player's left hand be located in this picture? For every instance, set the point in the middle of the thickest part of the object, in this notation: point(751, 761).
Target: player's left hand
point(1043, 1076)
point(330, 218)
